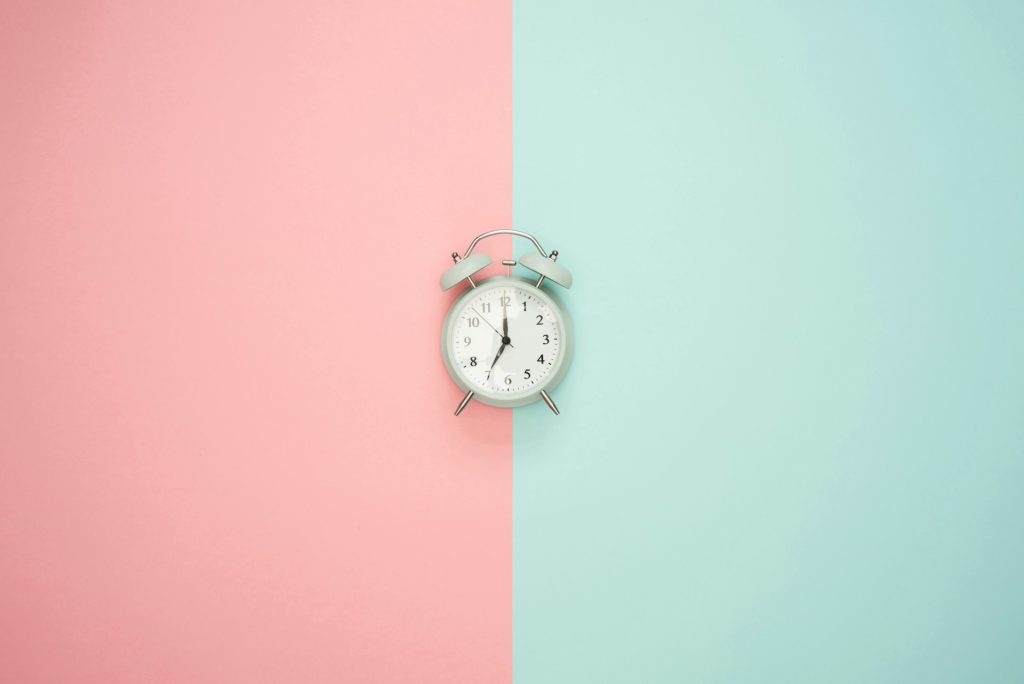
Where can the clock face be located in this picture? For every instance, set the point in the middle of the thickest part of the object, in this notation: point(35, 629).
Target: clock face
point(505, 340)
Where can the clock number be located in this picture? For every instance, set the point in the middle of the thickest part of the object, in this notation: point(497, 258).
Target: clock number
point(526, 374)
point(486, 306)
point(467, 340)
point(506, 300)
point(546, 339)
point(540, 320)
point(472, 360)
point(508, 379)
point(524, 305)
point(540, 359)
point(474, 322)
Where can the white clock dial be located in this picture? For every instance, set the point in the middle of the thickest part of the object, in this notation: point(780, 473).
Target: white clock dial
point(505, 341)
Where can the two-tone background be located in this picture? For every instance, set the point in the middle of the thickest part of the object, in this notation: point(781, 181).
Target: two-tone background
point(792, 443)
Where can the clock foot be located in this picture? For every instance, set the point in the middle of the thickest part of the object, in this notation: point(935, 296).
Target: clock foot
point(547, 400)
point(465, 400)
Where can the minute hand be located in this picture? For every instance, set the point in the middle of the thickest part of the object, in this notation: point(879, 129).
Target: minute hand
point(497, 356)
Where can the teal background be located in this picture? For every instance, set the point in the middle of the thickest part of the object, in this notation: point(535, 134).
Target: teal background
point(791, 446)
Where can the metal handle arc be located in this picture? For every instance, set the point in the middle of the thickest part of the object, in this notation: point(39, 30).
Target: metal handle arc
point(504, 231)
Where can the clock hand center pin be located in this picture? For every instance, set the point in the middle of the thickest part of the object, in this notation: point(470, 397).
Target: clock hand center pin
point(504, 338)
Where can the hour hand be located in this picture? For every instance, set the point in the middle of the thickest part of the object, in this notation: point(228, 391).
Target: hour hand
point(497, 356)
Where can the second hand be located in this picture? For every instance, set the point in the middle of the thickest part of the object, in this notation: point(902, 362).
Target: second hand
point(496, 331)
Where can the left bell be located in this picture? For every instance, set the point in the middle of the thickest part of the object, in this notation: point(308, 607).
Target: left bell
point(463, 269)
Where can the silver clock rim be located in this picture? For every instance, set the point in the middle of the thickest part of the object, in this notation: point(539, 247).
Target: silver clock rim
point(549, 383)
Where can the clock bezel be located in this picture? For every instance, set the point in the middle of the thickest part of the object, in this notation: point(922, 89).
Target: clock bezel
point(493, 398)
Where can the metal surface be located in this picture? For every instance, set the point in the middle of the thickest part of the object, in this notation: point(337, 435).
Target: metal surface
point(469, 395)
point(547, 400)
point(553, 256)
point(469, 279)
point(505, 231)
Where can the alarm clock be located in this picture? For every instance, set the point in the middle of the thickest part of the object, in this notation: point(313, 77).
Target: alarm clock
point(506, 341)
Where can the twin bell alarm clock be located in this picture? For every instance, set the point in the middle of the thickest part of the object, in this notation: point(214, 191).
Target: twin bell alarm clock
point(506, 341)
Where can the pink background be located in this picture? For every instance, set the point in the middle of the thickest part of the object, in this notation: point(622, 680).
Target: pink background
point(228, 452)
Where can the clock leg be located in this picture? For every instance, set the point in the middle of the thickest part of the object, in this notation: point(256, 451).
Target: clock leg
point(465, 400)
point(547, 400)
